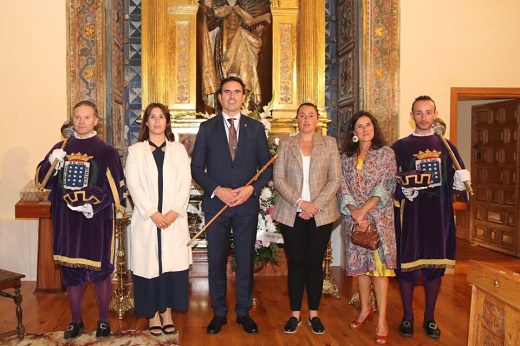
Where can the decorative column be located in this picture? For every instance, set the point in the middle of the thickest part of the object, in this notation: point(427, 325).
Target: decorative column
point(169, 53)
point(311, 53)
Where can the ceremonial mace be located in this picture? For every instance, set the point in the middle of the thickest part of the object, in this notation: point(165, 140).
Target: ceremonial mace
point(67, 131)
point(226, 206)
point(437, 129)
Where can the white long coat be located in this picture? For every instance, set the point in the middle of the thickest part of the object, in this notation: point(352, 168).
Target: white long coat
point(142, 181)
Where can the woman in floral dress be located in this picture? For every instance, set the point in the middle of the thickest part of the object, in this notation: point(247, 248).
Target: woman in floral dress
point(366, 193)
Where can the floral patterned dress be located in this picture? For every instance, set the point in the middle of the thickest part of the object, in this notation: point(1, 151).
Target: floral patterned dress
point(376, 178)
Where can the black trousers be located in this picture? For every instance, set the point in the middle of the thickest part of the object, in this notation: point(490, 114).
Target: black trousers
point(305, 245)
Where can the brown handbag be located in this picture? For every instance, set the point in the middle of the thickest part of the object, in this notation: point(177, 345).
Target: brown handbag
point(365, 237)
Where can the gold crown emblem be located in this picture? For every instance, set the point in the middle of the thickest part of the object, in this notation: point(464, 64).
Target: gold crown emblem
point(79, 157)
point(428, 154)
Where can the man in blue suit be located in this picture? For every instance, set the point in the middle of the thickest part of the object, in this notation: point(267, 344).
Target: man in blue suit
point(223, 169)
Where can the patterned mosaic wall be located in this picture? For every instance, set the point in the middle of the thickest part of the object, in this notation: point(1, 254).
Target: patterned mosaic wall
point(132, 53)
point(331, 67)
point(133, 85)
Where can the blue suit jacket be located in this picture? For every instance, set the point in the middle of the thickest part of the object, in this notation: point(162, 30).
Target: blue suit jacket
point(212, 166)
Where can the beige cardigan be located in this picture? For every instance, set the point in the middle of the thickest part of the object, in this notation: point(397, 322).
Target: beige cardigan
point(324, 179)
point(142, 181)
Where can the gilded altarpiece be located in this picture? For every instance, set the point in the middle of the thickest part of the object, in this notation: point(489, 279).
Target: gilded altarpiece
point(169, 65)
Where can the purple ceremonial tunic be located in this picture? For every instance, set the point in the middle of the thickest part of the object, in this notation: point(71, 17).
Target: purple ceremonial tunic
point(425, 227)
point(92, 174)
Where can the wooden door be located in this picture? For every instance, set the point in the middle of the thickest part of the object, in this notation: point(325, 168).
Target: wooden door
point(495, 169)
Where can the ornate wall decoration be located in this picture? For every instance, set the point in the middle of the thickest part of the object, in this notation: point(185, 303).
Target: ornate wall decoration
point(381, 63)
point(369, 62)
point(349, 83)
point(115, 132)
point(183, 68)
point(286, 63)
point(86, 54)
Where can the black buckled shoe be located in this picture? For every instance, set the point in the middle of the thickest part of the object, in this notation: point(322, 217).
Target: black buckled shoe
point(216, 324)
point(291, 325)
point(73, 330)
point(248, 324)
point(431, 329)
point(406, 327)
point(316, 325)
point(102, 331)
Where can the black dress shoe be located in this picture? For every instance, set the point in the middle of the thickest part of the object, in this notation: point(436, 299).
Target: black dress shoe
point(248, 324)
point(216, 324)
point(316, 325)
point(291, 325)
point(102, 331)
point(406, 327)
point(431, 329)
point(73, 330)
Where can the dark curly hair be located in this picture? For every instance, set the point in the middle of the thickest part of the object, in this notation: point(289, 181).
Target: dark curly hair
point(350, 147)
point(143, 130)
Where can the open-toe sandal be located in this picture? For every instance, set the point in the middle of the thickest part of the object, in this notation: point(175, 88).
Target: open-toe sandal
point(156, 330)
point(168, 329)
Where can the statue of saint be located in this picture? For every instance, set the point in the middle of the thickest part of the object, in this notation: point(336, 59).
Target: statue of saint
point(232, 41)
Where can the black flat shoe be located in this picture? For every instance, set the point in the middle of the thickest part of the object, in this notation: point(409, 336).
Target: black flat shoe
point(431, 329)
point(406, 327)
point(248, 324)
point(102, 331)
point(216, 324)
point(73, 330)
point(291, 325)
point(156, 330)
point(316, 325)
point(169, 329)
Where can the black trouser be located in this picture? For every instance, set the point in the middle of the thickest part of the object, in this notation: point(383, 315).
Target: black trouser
point(305, 245)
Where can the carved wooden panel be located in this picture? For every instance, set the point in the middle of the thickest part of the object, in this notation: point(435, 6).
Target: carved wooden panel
point(495, 304)
point(495, 206)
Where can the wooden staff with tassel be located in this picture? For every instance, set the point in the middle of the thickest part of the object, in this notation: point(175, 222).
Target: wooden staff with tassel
point(270, 162)
point(438, 131)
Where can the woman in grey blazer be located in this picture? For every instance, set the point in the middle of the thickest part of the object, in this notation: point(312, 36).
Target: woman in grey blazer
point(307, 175)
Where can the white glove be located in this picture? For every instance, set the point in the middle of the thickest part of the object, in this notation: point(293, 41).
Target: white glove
point(460, 176)
point(86, 209)
point(410, 193)
point(57, 154)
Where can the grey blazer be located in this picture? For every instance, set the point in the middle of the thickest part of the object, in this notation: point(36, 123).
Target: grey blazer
point(324, 179)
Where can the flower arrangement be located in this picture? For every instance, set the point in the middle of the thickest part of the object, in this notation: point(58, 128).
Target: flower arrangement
point(268, 234)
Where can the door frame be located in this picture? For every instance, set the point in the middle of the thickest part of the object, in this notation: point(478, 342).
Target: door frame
point(468, 94)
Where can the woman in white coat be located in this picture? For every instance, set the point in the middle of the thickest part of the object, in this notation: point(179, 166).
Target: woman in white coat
point(159, 181)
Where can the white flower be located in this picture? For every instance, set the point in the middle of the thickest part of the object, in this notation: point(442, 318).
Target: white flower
point(266, 193)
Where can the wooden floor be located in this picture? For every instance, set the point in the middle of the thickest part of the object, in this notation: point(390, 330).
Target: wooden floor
point(49, 312)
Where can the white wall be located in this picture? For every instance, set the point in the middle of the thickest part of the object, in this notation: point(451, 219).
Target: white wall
point(462, 43)
point(34, 105)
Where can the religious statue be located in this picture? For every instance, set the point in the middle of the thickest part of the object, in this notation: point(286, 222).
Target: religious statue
point(231, 43)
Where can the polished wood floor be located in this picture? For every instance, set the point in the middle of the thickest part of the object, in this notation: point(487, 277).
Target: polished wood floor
point(49, 312)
